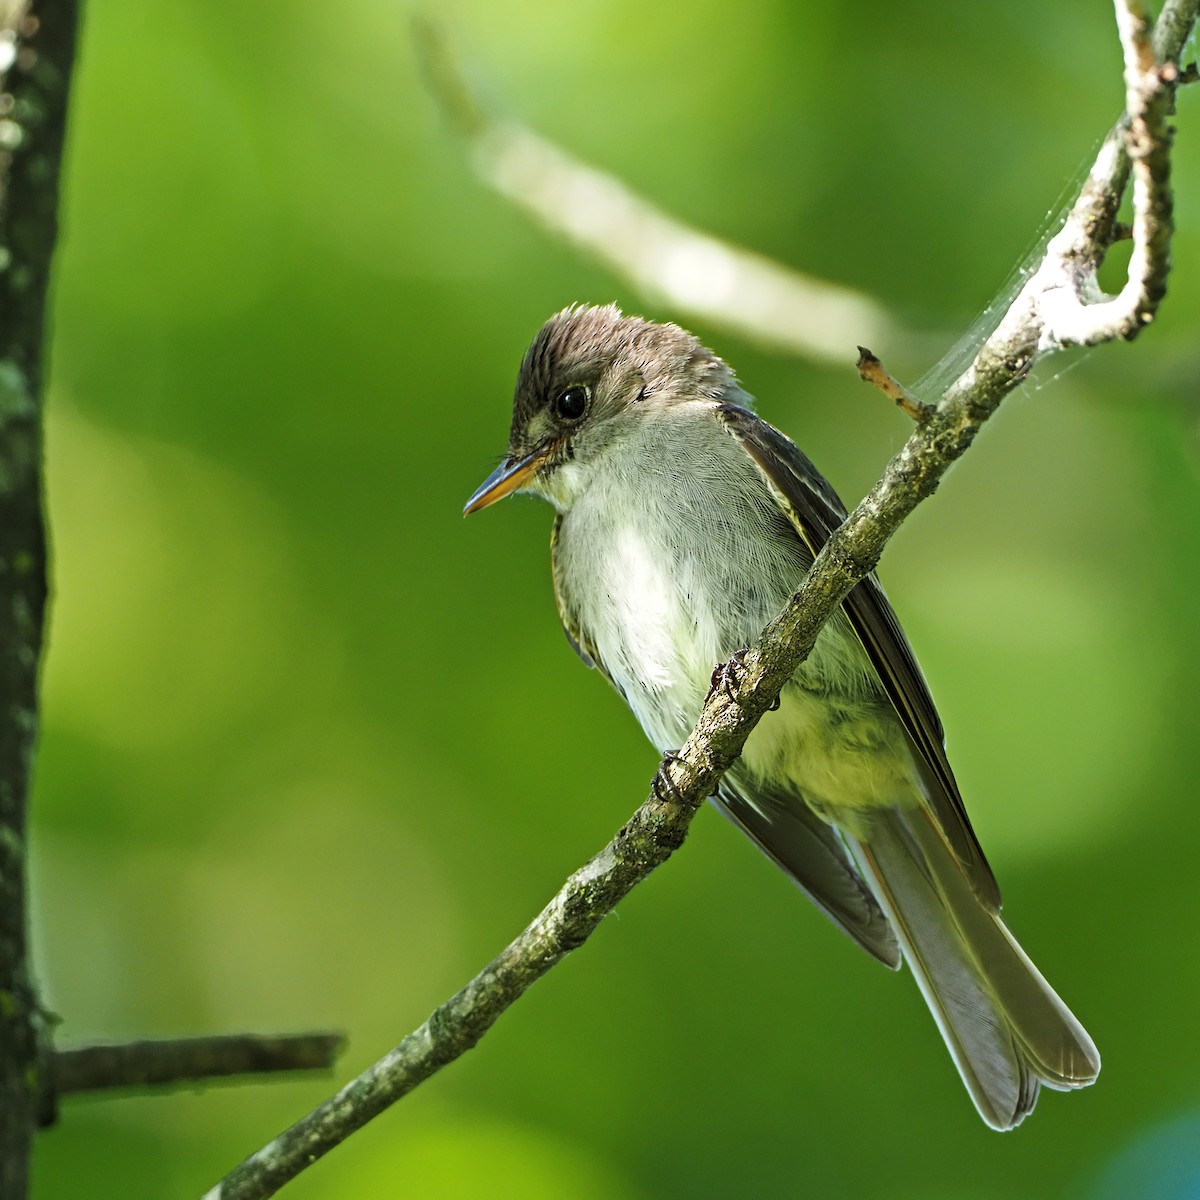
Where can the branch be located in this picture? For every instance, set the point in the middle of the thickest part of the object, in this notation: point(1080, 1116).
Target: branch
point(157, 1064)
point(674, 264)
point(36, 50)
point(685, 780)
point(1073, 312)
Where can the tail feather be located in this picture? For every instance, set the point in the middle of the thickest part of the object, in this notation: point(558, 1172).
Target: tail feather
point(1005, 1027)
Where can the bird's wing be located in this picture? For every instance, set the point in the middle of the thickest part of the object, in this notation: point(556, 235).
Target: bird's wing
point(812, 853)
point(815, 510)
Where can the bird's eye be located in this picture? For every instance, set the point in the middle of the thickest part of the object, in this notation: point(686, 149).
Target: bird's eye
point(571, 403)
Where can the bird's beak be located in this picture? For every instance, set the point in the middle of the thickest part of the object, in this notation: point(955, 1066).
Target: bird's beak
point(510, 475)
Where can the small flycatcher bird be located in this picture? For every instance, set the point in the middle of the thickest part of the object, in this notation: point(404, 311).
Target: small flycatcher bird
point(684, 524)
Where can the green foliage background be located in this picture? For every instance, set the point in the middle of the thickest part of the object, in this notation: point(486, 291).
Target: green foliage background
point(315, 748)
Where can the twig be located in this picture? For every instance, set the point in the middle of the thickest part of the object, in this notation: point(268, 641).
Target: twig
point(187, 1061)
point(1071, 306)
point(872, 371)
point(666, 260)
point(660, 824)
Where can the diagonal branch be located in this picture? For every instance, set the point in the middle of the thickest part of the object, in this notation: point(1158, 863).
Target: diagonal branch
point(685, 780)
point(684, 268)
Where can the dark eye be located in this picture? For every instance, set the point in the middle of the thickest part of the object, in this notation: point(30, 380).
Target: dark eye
point(571, 403)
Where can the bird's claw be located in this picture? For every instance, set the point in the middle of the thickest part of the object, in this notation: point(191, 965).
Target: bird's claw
point(727, 676)
point(663, 786)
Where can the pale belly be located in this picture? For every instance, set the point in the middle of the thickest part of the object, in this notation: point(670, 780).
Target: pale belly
point(671, 586)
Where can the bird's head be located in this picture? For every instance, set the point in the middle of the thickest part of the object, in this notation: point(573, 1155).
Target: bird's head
point(588, 375)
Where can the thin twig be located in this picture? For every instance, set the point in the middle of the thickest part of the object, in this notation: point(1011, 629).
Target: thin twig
point(1072, 308)
point(672, 263)
point(660, 824)
point(872, 371)
point(173, 1062)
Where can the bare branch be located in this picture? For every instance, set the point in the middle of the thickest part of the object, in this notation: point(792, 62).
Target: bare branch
point(686, 779)
point(1072, 307)
point(671, 263)
point(1172, 29)
point(654, 831)
point(187, 1061)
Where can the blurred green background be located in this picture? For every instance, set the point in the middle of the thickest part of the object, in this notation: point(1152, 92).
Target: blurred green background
point(315, 748)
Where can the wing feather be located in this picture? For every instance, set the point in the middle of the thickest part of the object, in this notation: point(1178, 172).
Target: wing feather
point(815, 511)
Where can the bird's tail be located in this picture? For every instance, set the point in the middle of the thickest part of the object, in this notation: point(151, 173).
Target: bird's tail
point(1006, 1029)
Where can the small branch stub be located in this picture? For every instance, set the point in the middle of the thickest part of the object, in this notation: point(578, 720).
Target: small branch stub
point(188, 1061)
point(872, 371)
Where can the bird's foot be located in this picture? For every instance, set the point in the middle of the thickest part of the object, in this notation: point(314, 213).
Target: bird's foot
point(663, 786)
point(727, 676)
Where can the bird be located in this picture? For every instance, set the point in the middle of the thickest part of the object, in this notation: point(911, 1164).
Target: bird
point(683, 524)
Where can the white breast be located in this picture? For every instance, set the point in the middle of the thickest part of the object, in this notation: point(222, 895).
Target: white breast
point(673, 554)
point(667, 579)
